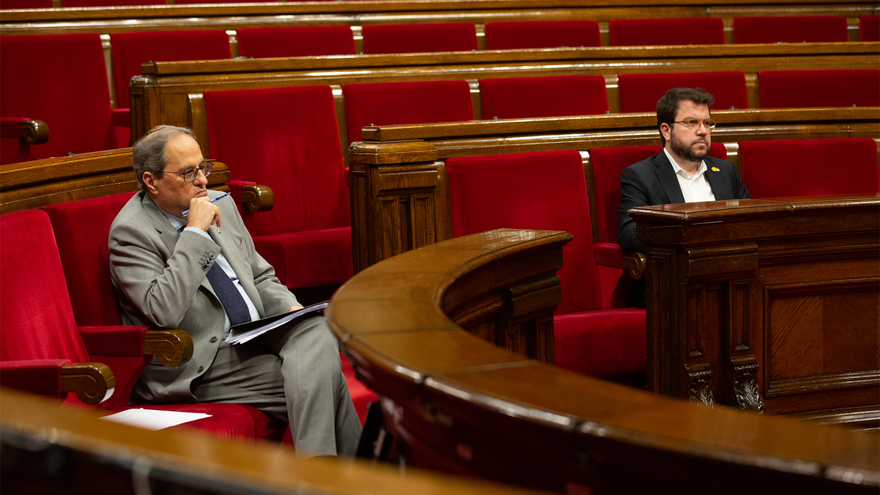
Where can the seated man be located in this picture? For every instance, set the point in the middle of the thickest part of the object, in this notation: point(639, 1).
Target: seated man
point(198, 271)
point(683, 173)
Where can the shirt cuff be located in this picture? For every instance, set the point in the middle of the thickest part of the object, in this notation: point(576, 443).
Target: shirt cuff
point(198, 231)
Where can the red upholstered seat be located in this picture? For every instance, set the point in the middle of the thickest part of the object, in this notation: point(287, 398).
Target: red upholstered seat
point(654, 32)
point(287, 139)
point(546, 190)
point(295, 41)
point(608, 163)
point(541, 34)
point(109, 3)
point(819, 88)
point(554, 96)
point(640, 92)
point(39, 333)
point(419, 102)
point(26, 4)
point(789, 29)
point(132, 49)
point(60, 79)
point(807, 167)
point(869, 28)
point(197, 2)
point(413, 38)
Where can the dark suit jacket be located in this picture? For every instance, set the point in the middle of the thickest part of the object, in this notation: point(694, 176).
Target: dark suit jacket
point(653, 182)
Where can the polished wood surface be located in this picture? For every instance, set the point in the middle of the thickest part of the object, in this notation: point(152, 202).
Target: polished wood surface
point(50, 181)
point(457, 403)
point(46, 448)
point(766, 304)
point(171, 92)
point(399, 195)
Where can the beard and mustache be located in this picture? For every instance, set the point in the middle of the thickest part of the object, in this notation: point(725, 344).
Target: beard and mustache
point(687, 151)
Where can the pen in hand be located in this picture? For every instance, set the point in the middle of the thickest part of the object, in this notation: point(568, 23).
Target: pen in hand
point(218, 198)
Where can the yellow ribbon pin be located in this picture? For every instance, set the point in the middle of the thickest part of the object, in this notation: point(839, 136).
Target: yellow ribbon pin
point(716, 169)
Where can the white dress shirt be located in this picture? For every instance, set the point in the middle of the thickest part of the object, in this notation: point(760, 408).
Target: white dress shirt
point(696, 188)
point(178, 223)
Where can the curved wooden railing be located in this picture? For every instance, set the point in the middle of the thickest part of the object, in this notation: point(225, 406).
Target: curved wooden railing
point(457, 403)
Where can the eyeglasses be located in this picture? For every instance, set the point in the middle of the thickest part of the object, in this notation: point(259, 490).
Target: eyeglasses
point(694, 124)
point(190, 174)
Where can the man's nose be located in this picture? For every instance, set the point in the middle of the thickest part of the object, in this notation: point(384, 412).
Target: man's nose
point(201, 179)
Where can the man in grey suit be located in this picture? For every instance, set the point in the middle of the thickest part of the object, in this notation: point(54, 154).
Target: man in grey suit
point(199, 272)
point(682, 173)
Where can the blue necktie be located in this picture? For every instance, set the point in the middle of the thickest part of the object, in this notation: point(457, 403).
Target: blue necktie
point(232, 301)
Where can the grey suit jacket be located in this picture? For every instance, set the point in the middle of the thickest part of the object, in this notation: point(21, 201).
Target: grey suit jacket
point(160, 279)
point(653, 182)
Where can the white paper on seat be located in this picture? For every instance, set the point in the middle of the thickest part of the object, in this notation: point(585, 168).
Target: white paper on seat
point(151, 419)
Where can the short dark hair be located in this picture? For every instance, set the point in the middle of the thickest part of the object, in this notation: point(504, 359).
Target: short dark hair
point(148, 153)
point(667, 107)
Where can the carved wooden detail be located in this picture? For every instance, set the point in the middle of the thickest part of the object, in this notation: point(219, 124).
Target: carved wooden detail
point(746, 389)
point(699, 389)
point(171, 347)
point(92, 382)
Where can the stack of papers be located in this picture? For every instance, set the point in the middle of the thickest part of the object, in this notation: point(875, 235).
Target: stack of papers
point(244, 332)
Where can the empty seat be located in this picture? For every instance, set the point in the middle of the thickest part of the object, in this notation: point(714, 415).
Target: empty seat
point(60, 79)
point(419, 102)
point(869, 28)
point(654, 32)
point(287, 139)
point(607, 164)
point(640, 92)
point(791, 29)
point(819, 88)
point(546, 190)
point(413, 38)
point(533, 97)
point(541, 34)
point(295, 41)
point(132, 49)
point(806, 167)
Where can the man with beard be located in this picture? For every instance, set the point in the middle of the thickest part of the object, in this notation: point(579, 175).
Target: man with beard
point(683, 173)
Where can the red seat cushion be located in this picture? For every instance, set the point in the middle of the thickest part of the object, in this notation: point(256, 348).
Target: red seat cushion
point(800, 167)
point(640, 92)
point(541, 34)
point(869, 28)
point(790, 29)
point(413, 38)
point(309, 258)
point(653, 32)
point(532, 97)
point(230, 421)
point(295, 41)
point(132, 49)
point(601, 343)
point(419, 102)
point(819, 88)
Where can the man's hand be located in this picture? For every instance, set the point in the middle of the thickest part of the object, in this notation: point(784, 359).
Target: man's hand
point(294, 308)
point(202, 214)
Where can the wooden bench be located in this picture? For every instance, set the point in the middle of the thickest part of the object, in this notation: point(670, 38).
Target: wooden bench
point(171, 92)
point(459, 404)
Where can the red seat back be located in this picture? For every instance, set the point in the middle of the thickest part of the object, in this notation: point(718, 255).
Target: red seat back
point(288, 139)
point(640, 92)
point(869, 28)
point(419, 102)
point(36, 319)
point(132, 49)
point(86, 257)
point(26, 4)
point(538, 190)
point(806, 167)
point(532, 97)
point(654, 32)
point(295, 41)
point(541, 34)
point(608, 163)
point(60, 79)
point(790, 29)
point(413, 38)
point(819, 88)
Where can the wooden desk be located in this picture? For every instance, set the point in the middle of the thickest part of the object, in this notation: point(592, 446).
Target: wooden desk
point(766, 304)
point(459, 404)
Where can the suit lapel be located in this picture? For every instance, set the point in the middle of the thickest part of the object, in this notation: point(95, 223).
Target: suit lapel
point(667, 179)
point(720, 187)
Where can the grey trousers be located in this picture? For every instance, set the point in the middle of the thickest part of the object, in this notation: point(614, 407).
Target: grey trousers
point(294, 375)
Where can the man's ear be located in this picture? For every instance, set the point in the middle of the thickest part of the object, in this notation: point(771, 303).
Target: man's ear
point(150, 183)
point(665, 130)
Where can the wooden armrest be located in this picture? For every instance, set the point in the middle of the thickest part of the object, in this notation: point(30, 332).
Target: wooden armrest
point(28, 131)
point(634, 264)
point(257, 197)
point(92, 383)
point(171, 347)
